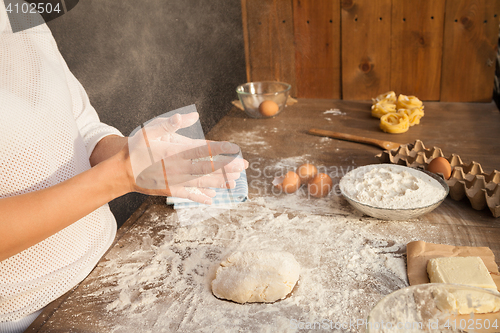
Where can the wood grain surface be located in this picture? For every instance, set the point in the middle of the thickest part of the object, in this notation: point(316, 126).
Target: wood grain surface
point(358, 49)
point(175, 296)
point(269, 42)
point(417, 46)
point(470, 48)
point(317, 51)
point(366, 48)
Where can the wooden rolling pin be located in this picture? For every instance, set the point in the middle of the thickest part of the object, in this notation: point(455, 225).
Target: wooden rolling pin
point(354, 138)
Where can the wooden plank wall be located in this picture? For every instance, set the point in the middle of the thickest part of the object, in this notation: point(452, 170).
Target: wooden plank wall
point(356, 49)
point(317, 55)
point(470, 42)
point(269, 40)
point(366, 48)
point(417, 47)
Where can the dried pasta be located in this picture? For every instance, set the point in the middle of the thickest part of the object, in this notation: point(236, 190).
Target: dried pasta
point(389, 96)
point(408, 102)
point(397, 115)
point(395, 123)
point(382, 108)
point(414, 115)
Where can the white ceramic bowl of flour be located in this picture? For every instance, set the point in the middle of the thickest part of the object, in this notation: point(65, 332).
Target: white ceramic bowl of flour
point(393, 192)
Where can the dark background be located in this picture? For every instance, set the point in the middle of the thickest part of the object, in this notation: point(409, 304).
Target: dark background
point(139, 59)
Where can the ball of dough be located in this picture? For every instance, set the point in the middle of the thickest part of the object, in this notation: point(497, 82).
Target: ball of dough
point(256, 276)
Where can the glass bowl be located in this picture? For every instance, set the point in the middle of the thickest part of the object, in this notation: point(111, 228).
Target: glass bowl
point(426, 308)
point(392, 214)
point(252, 94)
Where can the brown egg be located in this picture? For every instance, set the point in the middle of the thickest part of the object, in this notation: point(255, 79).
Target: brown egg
point(440, 165)
point(268, 108)
point(306, 172)
point(320, 185)
point(289, 183)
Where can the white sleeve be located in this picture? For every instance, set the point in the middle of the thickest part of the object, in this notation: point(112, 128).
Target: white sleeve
point(39, 44)
point(91, 128)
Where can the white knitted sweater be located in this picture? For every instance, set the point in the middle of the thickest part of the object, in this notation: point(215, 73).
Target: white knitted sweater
point(48, 130)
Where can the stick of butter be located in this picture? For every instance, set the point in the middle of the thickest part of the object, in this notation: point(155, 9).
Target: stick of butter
point(470, 271)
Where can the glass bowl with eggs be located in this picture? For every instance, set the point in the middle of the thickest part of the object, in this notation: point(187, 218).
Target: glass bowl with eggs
point(393, 192)
point(263, 99)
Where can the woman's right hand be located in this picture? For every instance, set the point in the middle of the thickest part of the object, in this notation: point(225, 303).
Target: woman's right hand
point(160, 161)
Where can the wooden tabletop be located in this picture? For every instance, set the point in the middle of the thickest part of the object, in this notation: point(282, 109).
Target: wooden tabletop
point(156, 277)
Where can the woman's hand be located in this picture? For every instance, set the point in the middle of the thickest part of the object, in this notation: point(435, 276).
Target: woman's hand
point(160, 161)
point(155, 160)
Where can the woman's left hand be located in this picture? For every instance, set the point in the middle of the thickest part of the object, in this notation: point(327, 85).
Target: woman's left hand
point(163, 162)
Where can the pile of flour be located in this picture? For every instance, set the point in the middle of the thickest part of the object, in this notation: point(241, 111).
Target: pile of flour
point(391, 186)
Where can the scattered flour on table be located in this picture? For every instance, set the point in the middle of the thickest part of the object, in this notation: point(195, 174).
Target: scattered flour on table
point(283, 165)
point(392, 187)
point(161, 282)
point(348, 264)
point(250, 140)
point(335, 112)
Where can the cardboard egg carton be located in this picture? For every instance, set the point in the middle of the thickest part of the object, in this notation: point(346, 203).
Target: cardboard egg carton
point(467, 180)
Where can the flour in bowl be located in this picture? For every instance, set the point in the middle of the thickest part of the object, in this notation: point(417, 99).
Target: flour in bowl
point(391, 186)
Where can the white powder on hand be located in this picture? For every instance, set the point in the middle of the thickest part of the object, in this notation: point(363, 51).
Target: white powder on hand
point(195, 190)
point(392, 186)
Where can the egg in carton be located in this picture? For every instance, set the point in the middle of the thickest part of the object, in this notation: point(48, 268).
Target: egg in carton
point(466, 180)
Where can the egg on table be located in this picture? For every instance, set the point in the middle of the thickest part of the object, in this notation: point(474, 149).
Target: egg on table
point(440, 165)
point(289, 183)
point(268, 108)
point(320, 185)
point(306, 172)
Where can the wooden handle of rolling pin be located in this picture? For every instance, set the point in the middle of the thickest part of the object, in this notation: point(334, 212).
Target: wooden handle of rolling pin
point(355, 138)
